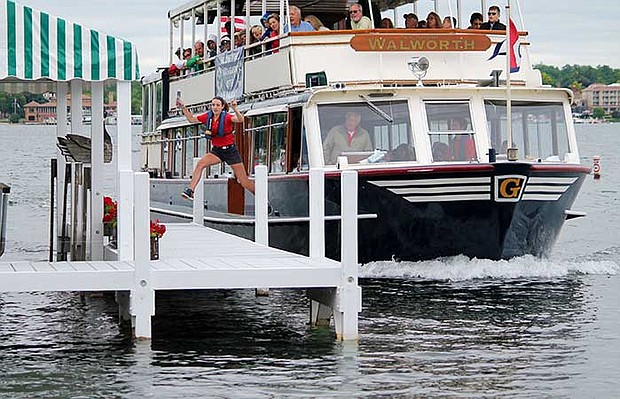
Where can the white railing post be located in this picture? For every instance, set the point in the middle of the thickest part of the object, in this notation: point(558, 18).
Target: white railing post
point(261, 227)
point(199, 197)
point(317, 212)
point(96, 180)
point(125, 225)
point(124, 167)
point(142, 295)
point(349, 295)
point(76, 107)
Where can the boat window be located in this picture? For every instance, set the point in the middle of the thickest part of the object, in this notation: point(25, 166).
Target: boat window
point(158, 104)
point(202, 144)
point(167, 151)
point(269, 132)
point(277, 154)
point(146, 109)
point(189, 150)
point(538, 129)
point(178, 152)
point(298, 145)
point(376, 139)
point(259, 140)
point(450, 131)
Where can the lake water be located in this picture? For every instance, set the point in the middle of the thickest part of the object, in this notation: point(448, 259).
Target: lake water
point(458, 328)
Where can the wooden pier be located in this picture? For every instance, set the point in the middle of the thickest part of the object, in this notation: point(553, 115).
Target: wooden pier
point(195, 257)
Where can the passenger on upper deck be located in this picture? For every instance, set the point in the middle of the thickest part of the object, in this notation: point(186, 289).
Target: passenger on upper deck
point(182, 65)
point(358, 19)
point(315, 22)
point(256, 32)
point(411, 21)
point(449, 22)
point(264, 20)
point(199, 55)
point(240, 39)
point(346, 138)
point(493, 22)
point(475, 21)
point(224, 44)
point(297, 24)
point(212, 45)
point(422, 24)
point(274, 25)
point(386, 23)
point(433, 21)
point(176, 67)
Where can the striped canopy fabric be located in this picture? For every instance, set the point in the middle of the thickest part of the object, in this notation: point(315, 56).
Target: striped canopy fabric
point(37, 46)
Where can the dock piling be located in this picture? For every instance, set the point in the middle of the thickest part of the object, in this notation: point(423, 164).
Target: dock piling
point(142, 295)
point(199, 197)
point(261, 227)
point(349, 294)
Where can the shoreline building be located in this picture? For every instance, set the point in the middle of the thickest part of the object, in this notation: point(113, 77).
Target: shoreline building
point(599, 95)
point(46, 113)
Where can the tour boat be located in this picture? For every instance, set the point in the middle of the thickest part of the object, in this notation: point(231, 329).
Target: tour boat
point(440, 177)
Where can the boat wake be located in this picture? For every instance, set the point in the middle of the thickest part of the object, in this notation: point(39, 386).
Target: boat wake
point(462, 268)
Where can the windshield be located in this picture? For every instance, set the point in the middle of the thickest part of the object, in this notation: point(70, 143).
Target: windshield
point(451, 131)
point(538, 129)
point(378, 132)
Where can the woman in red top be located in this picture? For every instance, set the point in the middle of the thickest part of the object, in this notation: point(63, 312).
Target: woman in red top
point(274, 24)
point(222, 142)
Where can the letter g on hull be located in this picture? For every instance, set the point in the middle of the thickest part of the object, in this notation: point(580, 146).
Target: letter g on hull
point(508, 188)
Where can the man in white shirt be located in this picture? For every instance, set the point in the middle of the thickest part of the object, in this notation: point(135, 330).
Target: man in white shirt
point(358, 19)
point(297, 25)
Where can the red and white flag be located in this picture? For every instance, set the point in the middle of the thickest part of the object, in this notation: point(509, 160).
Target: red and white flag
point(515, 53)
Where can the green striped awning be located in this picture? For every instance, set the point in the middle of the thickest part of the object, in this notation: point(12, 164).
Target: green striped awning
point(35, 45)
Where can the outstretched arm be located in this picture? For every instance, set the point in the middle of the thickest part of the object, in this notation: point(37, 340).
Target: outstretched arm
point(238, 117)
point(188, 115)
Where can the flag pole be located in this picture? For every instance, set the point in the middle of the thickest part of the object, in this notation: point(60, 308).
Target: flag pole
point(511, 153)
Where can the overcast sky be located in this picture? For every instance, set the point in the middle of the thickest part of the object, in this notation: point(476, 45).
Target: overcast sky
point(560, 31)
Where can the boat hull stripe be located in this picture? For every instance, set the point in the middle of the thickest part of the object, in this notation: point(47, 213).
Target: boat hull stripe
point(435, 190)
point(539, 197)
point(446, 198)
point(552, 180)
point(429, 182)
point(545, 189)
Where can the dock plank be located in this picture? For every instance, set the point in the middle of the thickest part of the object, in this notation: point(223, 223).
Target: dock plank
point(6, 267)
point(23, 266)
point(191, 257)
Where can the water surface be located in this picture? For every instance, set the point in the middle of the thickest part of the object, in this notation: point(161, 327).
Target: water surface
point(456, 327)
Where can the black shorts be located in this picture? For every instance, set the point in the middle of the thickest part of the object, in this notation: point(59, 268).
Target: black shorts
point(228, 154)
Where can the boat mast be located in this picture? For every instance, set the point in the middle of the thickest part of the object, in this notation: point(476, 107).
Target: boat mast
point(511, 153)
point(520, 11)
point(232, 24)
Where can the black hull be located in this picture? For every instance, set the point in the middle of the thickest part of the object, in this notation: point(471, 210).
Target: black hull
point(433, 212)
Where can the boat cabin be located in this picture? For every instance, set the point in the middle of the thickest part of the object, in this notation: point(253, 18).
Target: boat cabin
point(425, 96)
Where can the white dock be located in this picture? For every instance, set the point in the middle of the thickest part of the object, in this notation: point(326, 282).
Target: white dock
point(191, 257)
point(196, 257)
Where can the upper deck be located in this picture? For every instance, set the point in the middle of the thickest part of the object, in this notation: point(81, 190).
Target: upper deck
point(363, 57)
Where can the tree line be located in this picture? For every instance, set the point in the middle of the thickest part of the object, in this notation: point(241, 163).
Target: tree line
point(577, 77)
point(12, 104)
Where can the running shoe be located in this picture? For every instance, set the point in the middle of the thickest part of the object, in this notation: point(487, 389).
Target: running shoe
point(188, 193)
